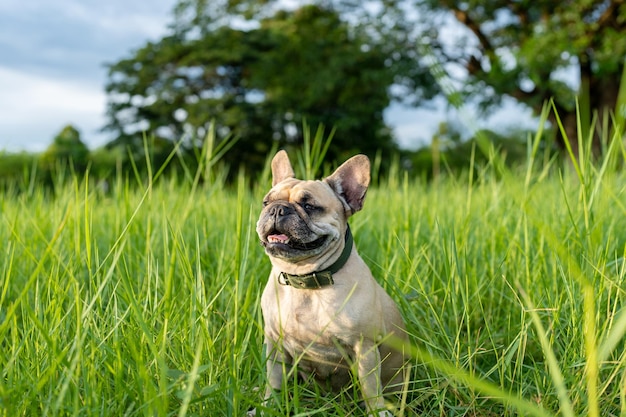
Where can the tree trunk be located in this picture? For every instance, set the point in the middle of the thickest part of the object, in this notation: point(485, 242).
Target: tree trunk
point(597, 97)
point(604, 91)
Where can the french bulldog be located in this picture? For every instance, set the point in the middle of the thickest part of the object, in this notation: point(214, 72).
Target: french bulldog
point(325, 317)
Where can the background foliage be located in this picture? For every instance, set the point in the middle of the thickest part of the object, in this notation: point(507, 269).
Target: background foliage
point(259, 84)
point(258, 74)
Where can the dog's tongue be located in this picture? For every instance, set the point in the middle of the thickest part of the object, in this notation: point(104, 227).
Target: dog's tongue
point(278, 238)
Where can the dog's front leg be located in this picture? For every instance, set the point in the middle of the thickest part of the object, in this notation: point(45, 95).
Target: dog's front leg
point(367, 362)
point(275, 366)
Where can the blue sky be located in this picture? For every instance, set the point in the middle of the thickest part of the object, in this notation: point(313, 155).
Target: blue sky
point(52, 70)
point(52, 56)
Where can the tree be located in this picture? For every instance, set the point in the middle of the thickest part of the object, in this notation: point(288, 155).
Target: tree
point(66, 152)
point(532, 51)
point(259, 83)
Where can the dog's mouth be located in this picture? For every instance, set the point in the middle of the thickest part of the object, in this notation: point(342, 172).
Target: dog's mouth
point(281, 239)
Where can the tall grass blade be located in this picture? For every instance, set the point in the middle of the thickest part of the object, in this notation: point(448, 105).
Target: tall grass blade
point(613, 338)
point(311, 157)
point(553, 364)
point(591, 350)
point(568, 146)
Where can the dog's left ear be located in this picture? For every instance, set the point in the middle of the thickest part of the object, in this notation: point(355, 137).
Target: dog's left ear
point(281, 168)
point(350, 182)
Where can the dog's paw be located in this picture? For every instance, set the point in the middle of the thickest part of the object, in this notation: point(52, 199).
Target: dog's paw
point(251, 413)
point(384, 413)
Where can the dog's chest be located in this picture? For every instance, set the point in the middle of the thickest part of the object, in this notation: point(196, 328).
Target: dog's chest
point(306, 316)
point(310, 327)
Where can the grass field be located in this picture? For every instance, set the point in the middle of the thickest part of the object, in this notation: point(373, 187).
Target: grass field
point(144, 301)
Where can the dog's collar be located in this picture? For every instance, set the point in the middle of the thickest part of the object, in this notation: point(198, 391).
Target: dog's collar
point(323, 278)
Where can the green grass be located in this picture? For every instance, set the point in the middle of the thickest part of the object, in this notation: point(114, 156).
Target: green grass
point(144, 301)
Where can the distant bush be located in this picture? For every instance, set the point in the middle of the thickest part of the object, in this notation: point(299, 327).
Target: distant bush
point(17, 168)
point(457, 155)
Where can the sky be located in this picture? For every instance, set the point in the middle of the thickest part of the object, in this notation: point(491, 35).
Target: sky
point(53, 57)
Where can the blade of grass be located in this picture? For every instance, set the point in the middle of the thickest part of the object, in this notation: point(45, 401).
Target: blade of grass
point(591, 349)
point(553, 364)
point(568, 145)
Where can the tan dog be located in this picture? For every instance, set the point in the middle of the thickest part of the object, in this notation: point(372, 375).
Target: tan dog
point(324, 313)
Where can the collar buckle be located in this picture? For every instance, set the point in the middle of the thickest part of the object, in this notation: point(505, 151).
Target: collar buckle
point(317, 282)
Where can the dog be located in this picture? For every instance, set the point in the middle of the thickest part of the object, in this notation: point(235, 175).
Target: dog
point(324, 314)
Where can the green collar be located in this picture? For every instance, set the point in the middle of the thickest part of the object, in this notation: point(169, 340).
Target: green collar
point(323, 278)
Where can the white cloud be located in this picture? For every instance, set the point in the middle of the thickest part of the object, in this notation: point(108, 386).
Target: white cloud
point(414, 127)
point(35, 108)
point(121, 18)
point(118, 17)
point(52, 70)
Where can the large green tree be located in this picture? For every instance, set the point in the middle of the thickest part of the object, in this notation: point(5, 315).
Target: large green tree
point(258, 79)
point(66, 152)
point(534, 51)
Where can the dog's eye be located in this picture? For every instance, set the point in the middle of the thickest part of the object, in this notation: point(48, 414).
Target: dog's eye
point(308, 207)
point(265, 203)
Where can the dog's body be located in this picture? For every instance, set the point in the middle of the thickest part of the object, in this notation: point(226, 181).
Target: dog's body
point(324, 313)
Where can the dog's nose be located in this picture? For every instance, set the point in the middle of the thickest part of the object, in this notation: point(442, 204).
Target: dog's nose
point(281, 210)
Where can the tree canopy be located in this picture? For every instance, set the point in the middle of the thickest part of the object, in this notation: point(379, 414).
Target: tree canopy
point(67, 151)
point(531, 51)
point(535, 51)
point(258, 83)
point(259, 71)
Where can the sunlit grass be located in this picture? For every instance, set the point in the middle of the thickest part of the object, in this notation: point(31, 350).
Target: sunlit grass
point(144, 300)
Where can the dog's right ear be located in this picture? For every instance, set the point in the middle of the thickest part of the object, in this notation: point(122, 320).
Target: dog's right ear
point(350, 182)
point(281, 168)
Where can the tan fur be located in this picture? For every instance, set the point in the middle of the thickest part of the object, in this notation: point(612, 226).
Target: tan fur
point(331, 332)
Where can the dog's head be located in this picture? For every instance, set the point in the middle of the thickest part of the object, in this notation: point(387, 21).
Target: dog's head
point(303, 223)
